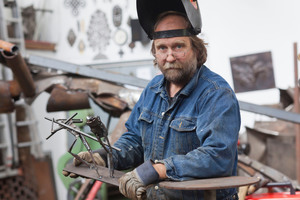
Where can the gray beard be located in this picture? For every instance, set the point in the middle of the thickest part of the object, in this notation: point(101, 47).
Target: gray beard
point(179, 73)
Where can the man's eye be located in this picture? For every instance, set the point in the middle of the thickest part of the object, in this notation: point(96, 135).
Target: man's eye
point(162, 49)
point(179, 46)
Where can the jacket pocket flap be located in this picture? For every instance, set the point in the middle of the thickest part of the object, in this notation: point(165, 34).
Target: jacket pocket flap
point(183, 125)
point(146, 116)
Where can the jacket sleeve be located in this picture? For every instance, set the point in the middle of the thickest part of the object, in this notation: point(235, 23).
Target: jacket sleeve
point(130, 143)
point(217, 129)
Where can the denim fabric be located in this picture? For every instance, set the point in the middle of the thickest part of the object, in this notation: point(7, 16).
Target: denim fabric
point(195, 137)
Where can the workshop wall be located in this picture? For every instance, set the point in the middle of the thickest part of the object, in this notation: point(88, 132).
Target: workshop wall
point(99, 31)
point(87, 31)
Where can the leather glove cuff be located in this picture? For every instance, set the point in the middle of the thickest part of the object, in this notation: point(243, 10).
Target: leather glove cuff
point(146, 173)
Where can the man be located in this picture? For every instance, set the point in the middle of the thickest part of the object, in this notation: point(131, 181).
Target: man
point(184, 126)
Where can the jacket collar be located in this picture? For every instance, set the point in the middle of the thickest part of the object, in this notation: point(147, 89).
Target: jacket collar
point(159, 87)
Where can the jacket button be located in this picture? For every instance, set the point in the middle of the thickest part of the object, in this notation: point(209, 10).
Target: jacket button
point(156, 187)
point(163, 113)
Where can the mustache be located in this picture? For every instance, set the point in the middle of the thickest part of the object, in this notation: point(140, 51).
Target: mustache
point(172, 66)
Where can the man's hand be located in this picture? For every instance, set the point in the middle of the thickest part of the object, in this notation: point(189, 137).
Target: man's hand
point(130, 186)
point(85, 155)
point(133, 184)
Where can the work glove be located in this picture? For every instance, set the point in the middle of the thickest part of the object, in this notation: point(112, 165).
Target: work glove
point(133, 184)
point(85, 155)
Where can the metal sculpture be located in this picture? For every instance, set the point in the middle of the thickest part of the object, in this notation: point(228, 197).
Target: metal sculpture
point(100, 131)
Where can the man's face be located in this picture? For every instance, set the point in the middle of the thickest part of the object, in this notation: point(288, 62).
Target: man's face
point(175, 57)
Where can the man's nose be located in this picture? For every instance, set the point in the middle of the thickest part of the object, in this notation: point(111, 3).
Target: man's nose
point(170, 56)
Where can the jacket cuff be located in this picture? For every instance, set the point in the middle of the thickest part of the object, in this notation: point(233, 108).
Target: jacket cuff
point(147, 174)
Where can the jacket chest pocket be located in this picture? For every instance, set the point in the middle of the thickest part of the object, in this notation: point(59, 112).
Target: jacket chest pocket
point(183, 135)
point(146, 128)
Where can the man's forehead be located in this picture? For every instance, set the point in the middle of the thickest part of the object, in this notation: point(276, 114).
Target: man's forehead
point(171, 22)
point(172, 41)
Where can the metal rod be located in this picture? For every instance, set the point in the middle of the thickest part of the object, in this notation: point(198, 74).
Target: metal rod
point(80, 132)
point(138, 63)
point(271, 112)
point(296, 107)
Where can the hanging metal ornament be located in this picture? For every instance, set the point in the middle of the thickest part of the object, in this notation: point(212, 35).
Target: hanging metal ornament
point(71, 37)
point(117, 16)
point(98, 31)
point(120, 37)
point(131, 46)
point(121, 53)
point(75, 5)
point(81, 46)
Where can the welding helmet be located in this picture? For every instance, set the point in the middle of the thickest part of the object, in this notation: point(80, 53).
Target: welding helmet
point(149, 10)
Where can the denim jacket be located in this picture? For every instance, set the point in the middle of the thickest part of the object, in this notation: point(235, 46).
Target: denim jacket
point(195, 135)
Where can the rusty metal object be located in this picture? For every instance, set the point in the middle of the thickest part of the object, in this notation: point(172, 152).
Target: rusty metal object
point(94, 85)
point(119, 127)
point(2, 59)
point(14, 88)
point(39, 45)
point(85, 171)
point(17, 187)
point(100, 131)
point(210, 183)
point(6, 102)
point(26, 160)
point(110, 103)
point(272, 140)
point(98, 128)
point(64, 124)
point(21, 72)
point(9, 47)
point(269, 172)
point(64, 100)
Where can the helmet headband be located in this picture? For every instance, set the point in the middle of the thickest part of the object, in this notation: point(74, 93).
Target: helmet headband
point(171, 33)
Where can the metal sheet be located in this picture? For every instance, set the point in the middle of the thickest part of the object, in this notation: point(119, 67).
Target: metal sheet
point(130, 80)
point(85, 171)
point(87, 71)
point(210, 183)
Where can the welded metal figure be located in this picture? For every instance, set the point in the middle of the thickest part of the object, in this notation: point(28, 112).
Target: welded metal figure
point(100, 131)
point(95, 124)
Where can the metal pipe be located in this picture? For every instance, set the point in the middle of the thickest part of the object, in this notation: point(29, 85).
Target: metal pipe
point(63, 100)
point(296, 107)
point(6, 103)
point(14, 88)
point(21, 72)
point(9, 47)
